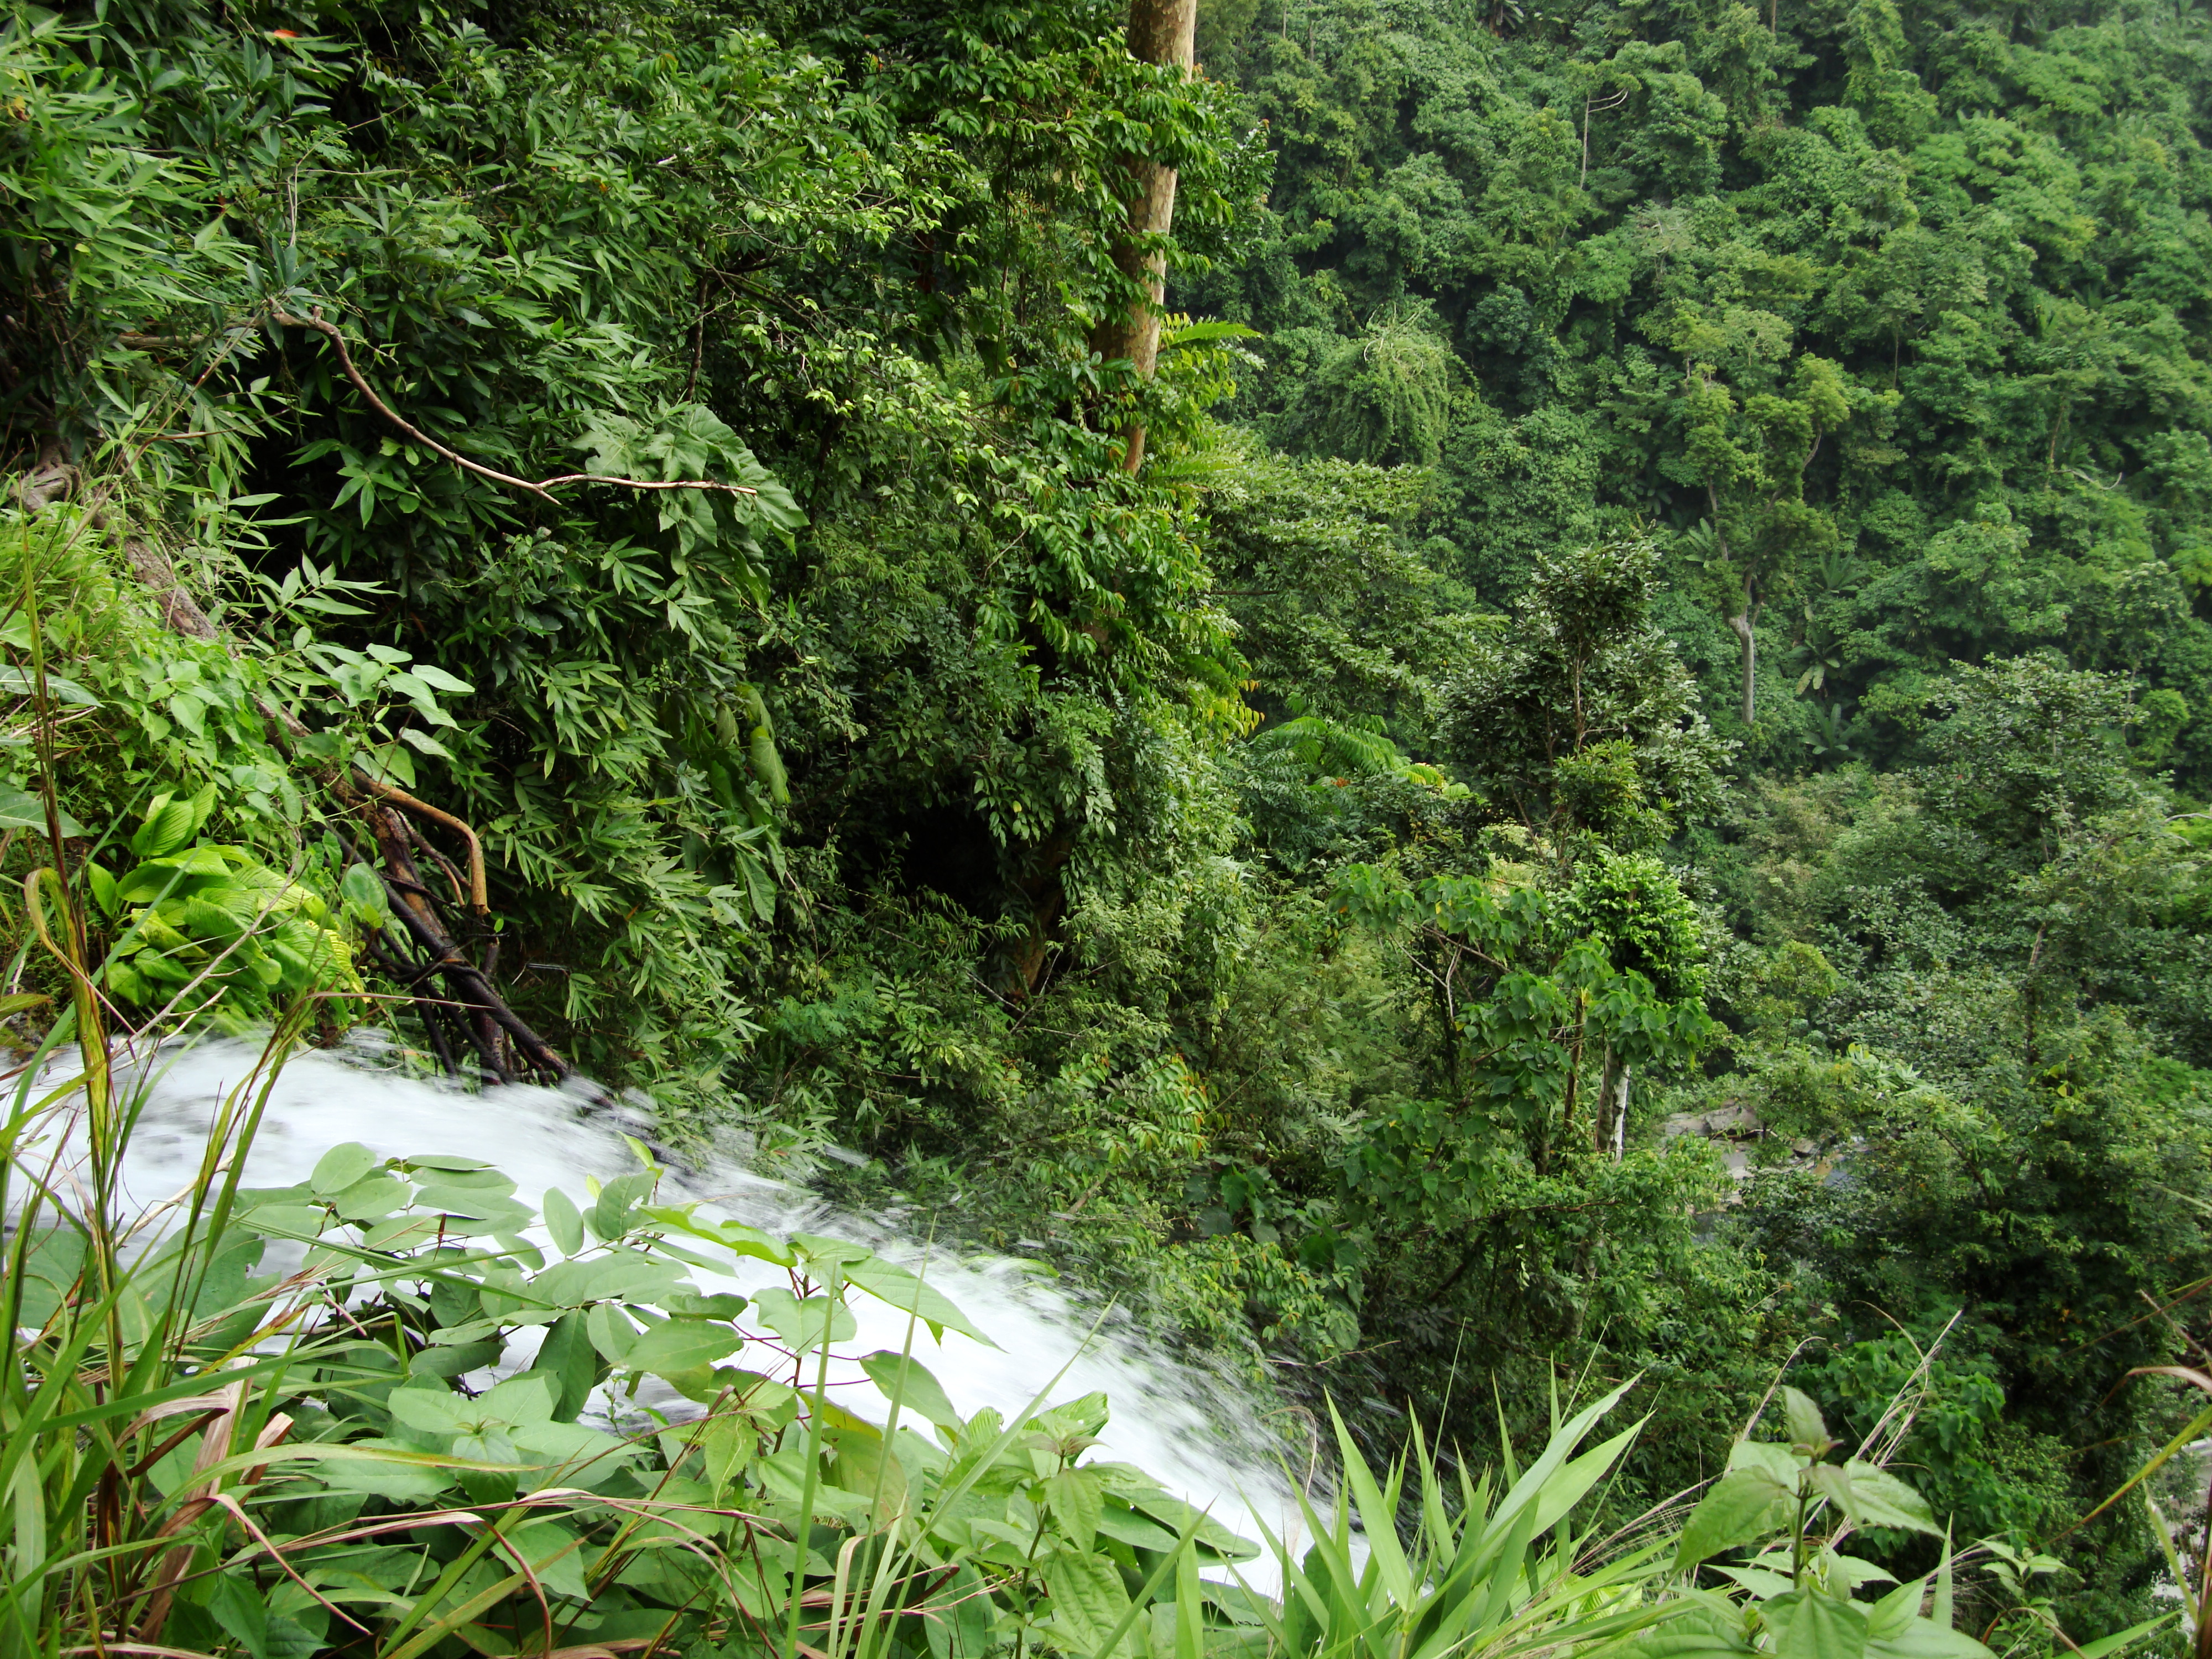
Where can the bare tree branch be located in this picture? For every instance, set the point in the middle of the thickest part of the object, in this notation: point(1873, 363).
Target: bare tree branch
point(543, 489)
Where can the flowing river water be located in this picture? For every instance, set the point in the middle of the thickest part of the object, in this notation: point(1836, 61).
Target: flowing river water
point(1196, 1431)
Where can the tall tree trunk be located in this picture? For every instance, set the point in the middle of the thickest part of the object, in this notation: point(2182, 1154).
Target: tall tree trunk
point(1610, 1135)
point(1160, 31)
point(1743, 622)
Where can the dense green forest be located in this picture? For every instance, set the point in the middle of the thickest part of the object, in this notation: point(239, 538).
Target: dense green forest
point(1588, 773)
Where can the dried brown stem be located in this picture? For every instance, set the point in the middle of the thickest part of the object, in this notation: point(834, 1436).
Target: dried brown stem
point(478, 900)
point(543, 489)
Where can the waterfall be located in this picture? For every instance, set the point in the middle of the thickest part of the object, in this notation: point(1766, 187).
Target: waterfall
point(1194, 1431)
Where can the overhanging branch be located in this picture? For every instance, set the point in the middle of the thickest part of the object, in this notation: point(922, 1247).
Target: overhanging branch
point(543, 489)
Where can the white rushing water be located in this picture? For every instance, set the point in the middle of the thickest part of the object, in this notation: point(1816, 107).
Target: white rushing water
point(1190, 1430)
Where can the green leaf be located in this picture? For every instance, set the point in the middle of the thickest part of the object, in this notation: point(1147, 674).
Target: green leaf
point(1924, 1638)
point(1703, 1633)
point(957, 1619)
point(432, 1411)
point(682, 1344)
point(904, 1378)
point(612, 1217)
point(21, 683)
point(1831, 1483)
point(734, 1236)
point(524, 1399)
point(1088, 1598)
point(911, 1295)
point(340, 1168)
point(1201, 1526)
point(1742, 1505)
point(365, 899)
point(563, 1221)
point(1768, 1456)
point(800, 1324)
point(571, 1454)
point(372, 1198)
point(439, 679)
point(1809, 1624)
point(1077, 1501)
point(1802, 1418)
point(620, 1274)
point(865, 1465)
point(611, 1333)
point(2110, 1644)
point(387, 1469)
point(1883, 1500)
point(555, 1554)
point(170, 822)
point(1117, 1520)
point(567, 1359)
point(19, 810)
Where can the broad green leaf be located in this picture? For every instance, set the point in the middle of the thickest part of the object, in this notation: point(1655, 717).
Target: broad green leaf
point(1077, 1502)
point(619, 1274)
point(20, 809)
point(433, 1410)
point(956, 1617)
point(1088, 1598)
point(1889, 1617)
point(1829, 1481)
point(1116, 1520)
point(440, 680)
point(733, 1235)
point(555, 1554)
point(1740, 1506)
point(1809, 1624)
point(801, 1324)
point(1186, 1518)
point(563, 1221)
point(524, 1399)
point(1804, 1422)
point(819, 1249)
point(365, 897)
point(570, 1453)
point(865, 1465)
point(372, 1198)
point(613, 1215)
point(904, 1378)
point(569, 1364)
point(168, 826)
point(21, 683)
point(909, 1294)
point(340, 1168)
point(1883, 1500)
point(682, 1344)
point(1763, 1586)
point(611, 1332)
point(1769, 1456)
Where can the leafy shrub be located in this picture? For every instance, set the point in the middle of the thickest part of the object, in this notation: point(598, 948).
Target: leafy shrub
point(213, 930)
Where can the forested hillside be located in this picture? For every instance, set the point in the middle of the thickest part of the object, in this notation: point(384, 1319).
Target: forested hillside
point(1637, 604)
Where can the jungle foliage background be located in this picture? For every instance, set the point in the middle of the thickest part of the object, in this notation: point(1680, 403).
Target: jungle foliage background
point(1668, 582)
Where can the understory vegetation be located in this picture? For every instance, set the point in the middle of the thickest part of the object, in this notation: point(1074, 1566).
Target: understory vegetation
point(1557, 743)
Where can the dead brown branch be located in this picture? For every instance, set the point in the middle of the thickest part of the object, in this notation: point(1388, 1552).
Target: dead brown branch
point(543, 487)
